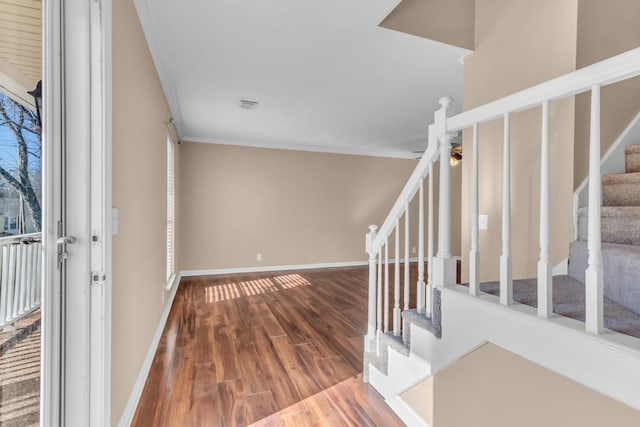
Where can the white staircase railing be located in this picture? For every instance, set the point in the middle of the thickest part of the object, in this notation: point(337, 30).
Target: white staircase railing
point(377, 241)
point(20, 277)
point(442, 266)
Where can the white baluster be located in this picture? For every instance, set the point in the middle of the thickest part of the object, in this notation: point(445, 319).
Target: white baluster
point(371, 324)
point(11, 282)
point(39, 274)
point(444, 230)
point(594, 284)
point(396, 283)
point(386, 286)
point(506, 279)
point(430, 231)
point(29, 277)
point(379, 302)
point(23, 278)
point(407, 257)
point(474, 255)
point(4, 286)
point(420, 288)
point(444, 266)
point(545, 281)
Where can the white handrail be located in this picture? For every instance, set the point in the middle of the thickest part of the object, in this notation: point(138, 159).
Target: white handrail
point(409, 190)
point(612, 70)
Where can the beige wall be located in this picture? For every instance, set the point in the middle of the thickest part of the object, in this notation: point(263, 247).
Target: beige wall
point(605, 29)
point(293, 207)
point(520, 43)
point(450, 21)
point(139, 192)
point(494, 387)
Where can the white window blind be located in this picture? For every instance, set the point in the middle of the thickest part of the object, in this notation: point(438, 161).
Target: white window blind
point(170, 210)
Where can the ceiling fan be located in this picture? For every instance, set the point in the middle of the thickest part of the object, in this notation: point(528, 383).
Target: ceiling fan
point(456, 151)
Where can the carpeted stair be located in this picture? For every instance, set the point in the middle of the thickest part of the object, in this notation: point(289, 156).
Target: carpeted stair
point(620, 226)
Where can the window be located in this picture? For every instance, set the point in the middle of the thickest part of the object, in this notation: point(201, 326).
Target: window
point(170, 210)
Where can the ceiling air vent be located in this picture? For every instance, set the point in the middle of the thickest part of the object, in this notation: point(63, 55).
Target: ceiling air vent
point(248, 105)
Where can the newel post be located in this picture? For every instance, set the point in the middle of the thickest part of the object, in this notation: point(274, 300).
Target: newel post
point(444, 265)
point(369, 344)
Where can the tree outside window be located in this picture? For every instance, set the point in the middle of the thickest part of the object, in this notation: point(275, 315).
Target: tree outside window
point(20, 168)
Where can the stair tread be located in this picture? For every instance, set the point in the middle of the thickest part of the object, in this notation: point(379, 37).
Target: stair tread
point(619, 224)
point(621, 178)
point(620, 211)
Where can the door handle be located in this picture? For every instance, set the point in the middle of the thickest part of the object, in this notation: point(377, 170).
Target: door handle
point(66, 240)
point(62, 253)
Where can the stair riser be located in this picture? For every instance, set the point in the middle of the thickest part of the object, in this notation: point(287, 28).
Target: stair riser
point(621, 194)
point(623, 230)
point(621, 272)
point(632, 162)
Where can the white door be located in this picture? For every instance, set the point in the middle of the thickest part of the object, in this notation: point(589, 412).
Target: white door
point(76, 232)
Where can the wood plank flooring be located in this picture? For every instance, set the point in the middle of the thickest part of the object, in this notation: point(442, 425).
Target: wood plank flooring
point(277, 349)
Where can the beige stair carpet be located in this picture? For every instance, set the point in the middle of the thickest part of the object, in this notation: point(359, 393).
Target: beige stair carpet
point(632, 158)
point(619, 224)
point(621, 189)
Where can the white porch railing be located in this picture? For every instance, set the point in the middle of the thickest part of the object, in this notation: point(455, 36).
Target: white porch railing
point(20, 277)
point(442, 266)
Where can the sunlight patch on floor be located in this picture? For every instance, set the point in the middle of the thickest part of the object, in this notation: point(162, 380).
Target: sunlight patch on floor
point(233, 290)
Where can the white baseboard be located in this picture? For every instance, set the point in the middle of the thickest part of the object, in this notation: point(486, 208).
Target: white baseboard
point(214, 271)
point(134, 398)
point(267, 268)
point(406, 413)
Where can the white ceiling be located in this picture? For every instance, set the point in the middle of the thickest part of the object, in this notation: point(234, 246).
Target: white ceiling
point(326, 76)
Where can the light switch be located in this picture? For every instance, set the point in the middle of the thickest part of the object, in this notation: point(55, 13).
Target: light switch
point(483, 222)
point(114, 221)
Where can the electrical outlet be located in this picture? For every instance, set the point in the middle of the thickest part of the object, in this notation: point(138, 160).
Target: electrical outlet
point(258, 257)
point(413, 250)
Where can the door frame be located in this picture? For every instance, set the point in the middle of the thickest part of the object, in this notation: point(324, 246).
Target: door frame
point(76, 303)
point(51, 309)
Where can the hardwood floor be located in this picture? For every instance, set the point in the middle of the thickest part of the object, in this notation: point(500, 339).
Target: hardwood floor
point(277, 349)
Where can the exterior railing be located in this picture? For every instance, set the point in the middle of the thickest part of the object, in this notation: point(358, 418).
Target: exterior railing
point(20, 277)
point(442, 266)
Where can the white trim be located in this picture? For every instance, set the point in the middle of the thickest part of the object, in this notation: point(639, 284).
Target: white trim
point(561, 269)
point(136, 392)
point(100, 199)
point(171, 210)
point(51, 356)
point(172, 281)
point(216, 271)
point(406, 412)
point(149, 30)
point(259, 269)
